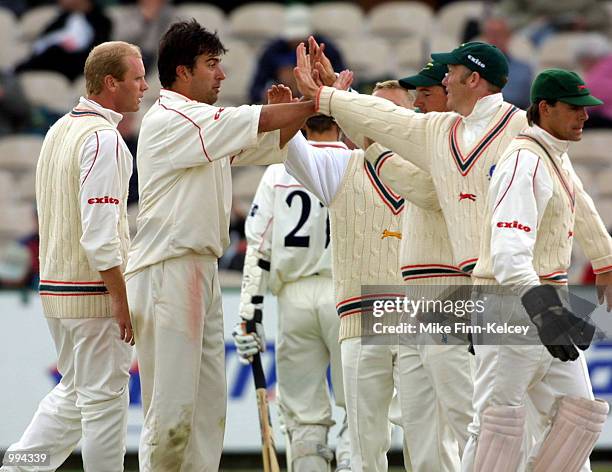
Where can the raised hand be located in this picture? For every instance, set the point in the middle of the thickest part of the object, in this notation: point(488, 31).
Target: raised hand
point(344, 80)
point(303, 73)
point(279, 94)
point(320, 64)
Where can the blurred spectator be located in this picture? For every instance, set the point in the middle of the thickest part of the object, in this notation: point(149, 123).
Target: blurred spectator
point(129, 132)
point(14, 265)
point(277, 61)
point(19, 264)
point(15, 111)
point(143, 25)
point(233, 258)
point(65, 43)
point(540, 18)
point(16, 6)
point(496, 31)
point(594, 55)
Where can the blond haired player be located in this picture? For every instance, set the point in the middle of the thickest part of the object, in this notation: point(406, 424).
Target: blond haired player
point(289, 251)
point(530, 219)
point(185, 150)
point(81, 192)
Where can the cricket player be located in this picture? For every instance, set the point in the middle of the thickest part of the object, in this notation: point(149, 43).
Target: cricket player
point(434, 395)
point(365, 251)
point(185, 149)
point(81, 192)
point(530, 219)
point(289, 251)
point(459, 150)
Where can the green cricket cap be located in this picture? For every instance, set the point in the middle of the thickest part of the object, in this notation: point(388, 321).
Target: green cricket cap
point(562, 85)
point(480, 57)
point(432, 74)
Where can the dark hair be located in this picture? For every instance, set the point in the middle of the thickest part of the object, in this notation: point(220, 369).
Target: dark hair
point(181, 45)
point(533, 112)
point(320, 123)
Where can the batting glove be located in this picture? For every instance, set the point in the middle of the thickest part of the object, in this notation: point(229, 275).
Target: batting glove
point(558, 328)
point(248, 344)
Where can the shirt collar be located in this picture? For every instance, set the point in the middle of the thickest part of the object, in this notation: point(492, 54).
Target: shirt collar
point(335, 144)
point(172, 95)
point(484, 109)
point(110, 115)
point(558, 145)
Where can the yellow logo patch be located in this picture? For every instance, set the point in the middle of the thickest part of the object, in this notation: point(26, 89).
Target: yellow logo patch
point(391, 234)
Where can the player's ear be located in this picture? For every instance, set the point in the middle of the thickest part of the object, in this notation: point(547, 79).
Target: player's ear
point(183, 72)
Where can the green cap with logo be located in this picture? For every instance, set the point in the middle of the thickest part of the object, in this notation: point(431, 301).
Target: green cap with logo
point(562, 85)
point(480, 57)
point(432, 74)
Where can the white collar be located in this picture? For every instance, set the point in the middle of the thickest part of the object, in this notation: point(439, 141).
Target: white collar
point(484, 109)
point(110, 115)
point(558, 145)
point(334, 144)
point(172, 95)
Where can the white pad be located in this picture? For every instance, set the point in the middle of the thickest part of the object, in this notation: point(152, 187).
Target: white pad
point(500, 439)
point(254, 283)
point(309, 451)
point(575, 429)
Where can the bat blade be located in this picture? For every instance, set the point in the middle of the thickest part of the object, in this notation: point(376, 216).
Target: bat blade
point(270, 461)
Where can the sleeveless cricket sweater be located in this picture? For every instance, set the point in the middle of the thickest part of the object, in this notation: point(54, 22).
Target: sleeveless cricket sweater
point(553, 247)
point(465, 179)
point(460, 175)
point(365, 224)
point(69, 287)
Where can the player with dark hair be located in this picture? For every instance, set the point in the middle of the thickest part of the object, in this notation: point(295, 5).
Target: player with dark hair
point(532, 211)
point(185, 150)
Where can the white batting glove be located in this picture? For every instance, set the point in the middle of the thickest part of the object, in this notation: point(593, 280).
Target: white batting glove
point(248, 344)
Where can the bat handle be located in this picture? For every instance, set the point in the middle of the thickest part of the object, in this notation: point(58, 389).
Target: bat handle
point(258, 373)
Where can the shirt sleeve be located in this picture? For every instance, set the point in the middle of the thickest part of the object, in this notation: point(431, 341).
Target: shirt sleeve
point(320, 170)
point(404, 178)
point(266, 152)
point(519, 192)
point(100, 200)
point(258, 225)
point(199, 133)
point(590, 231)
point(401, 130)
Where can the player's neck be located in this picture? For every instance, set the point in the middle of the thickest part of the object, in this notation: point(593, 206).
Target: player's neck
point(326, 136)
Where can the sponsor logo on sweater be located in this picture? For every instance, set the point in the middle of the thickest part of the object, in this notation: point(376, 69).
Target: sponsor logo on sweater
point(391, 234)
point(513, 225)
point(103, 200)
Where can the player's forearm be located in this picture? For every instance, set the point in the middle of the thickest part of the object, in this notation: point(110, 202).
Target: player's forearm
point(284, 115)
point(115, 284)
point(401, 130)
point(287, 133)
point(403, 177)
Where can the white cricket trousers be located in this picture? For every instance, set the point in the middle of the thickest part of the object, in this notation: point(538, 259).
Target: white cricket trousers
point(434, 390)
point(89, 404)
point(517, 374)
point(178, 322)
point(307, 344)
